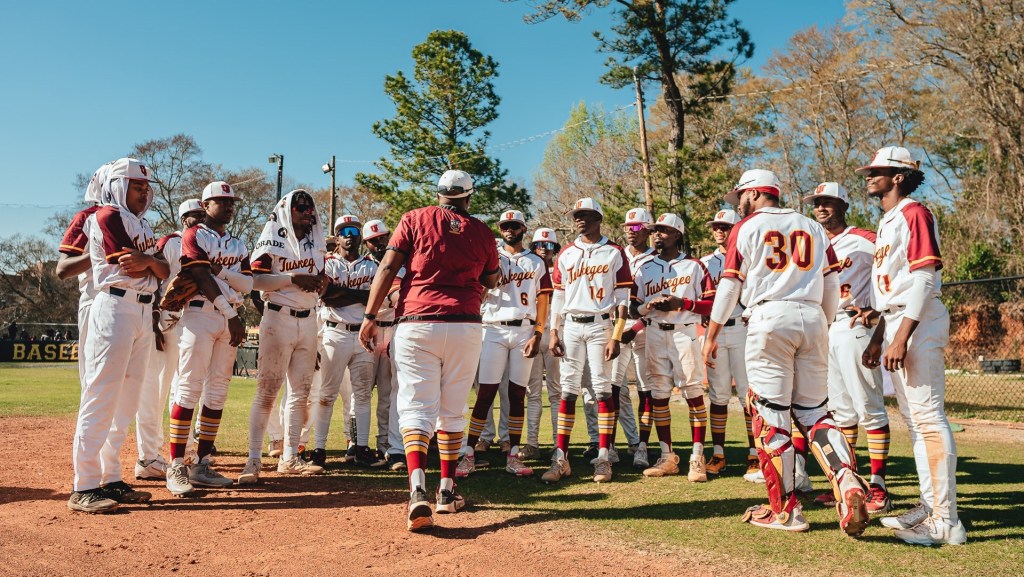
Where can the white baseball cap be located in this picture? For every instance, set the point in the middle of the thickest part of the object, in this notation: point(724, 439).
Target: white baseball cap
point(544, 234)
point(129, 168)
point(347, 220)
point(727, 216)
point(637, 216)
point(218, 189)
point(829, 189)
point(586, 204)
point(374, 228)
point(670, 220)
point(190, 205)
point(512, 216)
point(455, 184)
point(755, 178)
point(890, 157)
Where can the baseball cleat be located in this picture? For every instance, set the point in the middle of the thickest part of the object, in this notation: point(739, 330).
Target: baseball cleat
point(318, 457)
point(591, 453)
point(715, 465)
point(558, 470)
point(367, 457)
point(449, 501)
point(202, 475)
point(92, 501)
point(911, 518)
point(276, 448)
point(632, 448)
point(124, 493)
point(763, 516)
point(466, 466)
point(753, 466)
point(420, 516)
point(602, 471)
point(934, 531)
point(755, 476)
point(297, 466)
point(515, 466)
point(826, 499)
point(878, 500)
point(481, 446)
point(853, 512)
point(154, 469)
point(178, 479)
point(379, 459)
point(529, 452)
point(640, 459)
point(668, 464)
point(505, 446)
point(396, 461)
point(251, 472)
point(697, 472)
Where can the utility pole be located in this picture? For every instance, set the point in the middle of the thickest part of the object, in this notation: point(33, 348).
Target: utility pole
point(333, 195)
point(279, 159)
point(643, 143)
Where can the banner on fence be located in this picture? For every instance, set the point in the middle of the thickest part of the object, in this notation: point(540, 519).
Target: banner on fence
point(38, 351)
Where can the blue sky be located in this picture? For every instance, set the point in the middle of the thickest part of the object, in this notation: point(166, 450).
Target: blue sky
point(86, 80)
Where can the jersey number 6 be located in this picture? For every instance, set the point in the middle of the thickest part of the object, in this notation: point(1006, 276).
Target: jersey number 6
point(799, 249)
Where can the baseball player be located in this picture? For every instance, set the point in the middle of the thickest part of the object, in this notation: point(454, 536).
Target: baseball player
point(854, 391)
point(731, 366)
point(75, 260)
point(350, 275)
point(783, 264)
point(671, 292)
point(514, 314)
point(288, 266)
point(544, 374)
point(450, 257)
point(375, 237)
point(591, 281)
point(149, 420)
point(211, 331)
point(633, 352)
point(126, 272)
point(914, 329)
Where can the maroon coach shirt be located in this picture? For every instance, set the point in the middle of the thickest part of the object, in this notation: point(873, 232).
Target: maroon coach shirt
point(447, 251)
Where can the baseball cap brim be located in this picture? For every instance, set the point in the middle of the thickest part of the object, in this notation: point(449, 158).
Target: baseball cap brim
point(809, 199)
point(375, 235)
point(579, 210)
point(711, 222)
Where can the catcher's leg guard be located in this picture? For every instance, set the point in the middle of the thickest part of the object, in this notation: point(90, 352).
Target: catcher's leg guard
point(834, 454)
point(774, 445)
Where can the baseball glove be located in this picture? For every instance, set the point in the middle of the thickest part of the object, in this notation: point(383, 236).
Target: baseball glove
point(179, 291)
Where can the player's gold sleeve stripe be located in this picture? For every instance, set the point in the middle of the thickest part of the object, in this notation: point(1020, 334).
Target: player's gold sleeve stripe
point(112, 258)
point(558, 286)
point(710, 293)
point(545, 291)
point(637, 299)
point(72, 248)
point(195, 262)
point(246, 272)
point(630, 283)
point(925, 259)
point(260, 269)
point(835, 266)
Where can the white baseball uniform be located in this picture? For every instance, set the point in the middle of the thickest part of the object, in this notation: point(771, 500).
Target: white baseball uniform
point(731, 364)
point(118, 344)
point(342, 352)
point(854, 391)
point(672, 357)
point(908, 242)
point(74, 243)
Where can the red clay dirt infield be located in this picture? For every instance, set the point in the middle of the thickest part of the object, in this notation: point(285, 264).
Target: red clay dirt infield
point(283, 527)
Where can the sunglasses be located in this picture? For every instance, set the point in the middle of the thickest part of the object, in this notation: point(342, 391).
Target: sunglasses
point(349, 231)
point(544, 245)
point(302, 207)
point(633, 228)
point(509, 226)
point(721, 227)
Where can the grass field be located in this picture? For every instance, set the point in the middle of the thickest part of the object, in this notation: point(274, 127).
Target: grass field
point(671, 515)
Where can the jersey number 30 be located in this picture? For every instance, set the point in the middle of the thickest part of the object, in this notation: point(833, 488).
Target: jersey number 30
point(798, 248)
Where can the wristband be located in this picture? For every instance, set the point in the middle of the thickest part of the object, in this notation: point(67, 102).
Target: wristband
point(221, 303)
point(369, 317)
point(620, 326)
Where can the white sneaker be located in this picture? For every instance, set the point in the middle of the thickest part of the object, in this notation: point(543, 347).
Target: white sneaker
point(934, 531)
point(177, 479)
point(251, 472)
point(640, 459)
point(202, 475)
point(756, 477)
point(155, 469)
point(911, 518)
point(297, 466)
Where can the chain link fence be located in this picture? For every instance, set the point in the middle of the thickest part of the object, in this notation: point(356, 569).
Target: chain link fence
point(984, 379)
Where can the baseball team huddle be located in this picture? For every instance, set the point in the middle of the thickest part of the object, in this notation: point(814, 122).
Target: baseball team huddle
point(801, 315)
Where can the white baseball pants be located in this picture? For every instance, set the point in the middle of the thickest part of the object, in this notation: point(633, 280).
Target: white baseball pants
point(160, 375)
point(206, 359)
point(342, 352)
point(436, 363)
point(543, 376)
point(730, 366)
point(920, 392)
point(287, 347)
point(117, 349)
point(673, 358)
point(584, 346)
point(854, 391)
